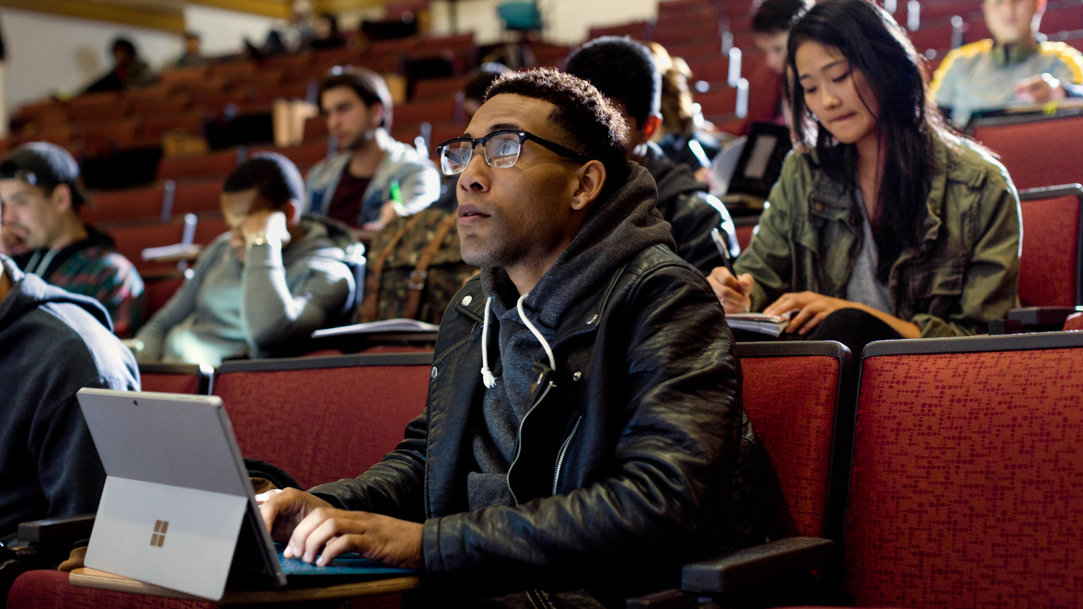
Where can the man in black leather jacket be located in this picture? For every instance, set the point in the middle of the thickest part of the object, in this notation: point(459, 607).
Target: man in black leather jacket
point(584, 421)
point(624, 71)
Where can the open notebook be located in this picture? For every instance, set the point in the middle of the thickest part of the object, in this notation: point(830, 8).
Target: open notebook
point(178, 508)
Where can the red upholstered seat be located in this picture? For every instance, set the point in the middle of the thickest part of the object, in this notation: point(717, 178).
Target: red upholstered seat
point(51, 590)
point(176, 378)
point(799, 397)
point(210, 165)
point(127, 205)
point(796, 420)
point(323, 418)
point(1051, 265)
point(1025, 144)
point(965, 483)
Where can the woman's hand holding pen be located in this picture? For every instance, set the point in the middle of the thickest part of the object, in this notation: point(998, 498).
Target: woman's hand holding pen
point(732, 292)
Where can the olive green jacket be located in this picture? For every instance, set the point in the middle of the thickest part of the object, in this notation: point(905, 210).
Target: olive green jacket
point(963, 273)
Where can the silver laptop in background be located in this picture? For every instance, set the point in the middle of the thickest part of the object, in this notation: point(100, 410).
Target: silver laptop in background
point(177, 499)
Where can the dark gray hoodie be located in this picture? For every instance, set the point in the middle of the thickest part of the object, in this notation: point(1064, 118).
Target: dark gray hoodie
point(52, 343)
point(615, 232)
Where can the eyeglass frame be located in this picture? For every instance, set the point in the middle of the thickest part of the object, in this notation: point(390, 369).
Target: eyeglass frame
point(560, 149)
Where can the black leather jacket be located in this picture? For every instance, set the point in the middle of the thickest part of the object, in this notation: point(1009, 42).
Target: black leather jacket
point(624, 462)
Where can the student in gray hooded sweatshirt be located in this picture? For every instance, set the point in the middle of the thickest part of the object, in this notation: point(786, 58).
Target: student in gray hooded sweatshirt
point(584, 424)
point(52, 343)
point(261, 289)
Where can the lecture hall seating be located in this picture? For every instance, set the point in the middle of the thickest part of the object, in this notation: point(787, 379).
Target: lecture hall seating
point(964, 485)
point(805, 428)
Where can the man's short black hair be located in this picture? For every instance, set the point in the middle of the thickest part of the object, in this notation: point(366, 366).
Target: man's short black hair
point(592, 126)
point(120, 42)
point(368, 85)
point(624, 71)
point(776, 16)
point(274, 177)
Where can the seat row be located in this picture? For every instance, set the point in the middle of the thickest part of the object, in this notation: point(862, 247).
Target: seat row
point(942, 475)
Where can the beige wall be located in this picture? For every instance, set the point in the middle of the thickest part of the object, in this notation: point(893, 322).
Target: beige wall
point(49, 54)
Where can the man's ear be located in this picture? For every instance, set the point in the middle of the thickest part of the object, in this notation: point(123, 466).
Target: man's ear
point(591, 181)
point(651, 125)
point(292, 209)
point(61, 198)
point(378, 116)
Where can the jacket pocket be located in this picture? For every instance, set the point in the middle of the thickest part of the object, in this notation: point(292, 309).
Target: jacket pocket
point(933, 286)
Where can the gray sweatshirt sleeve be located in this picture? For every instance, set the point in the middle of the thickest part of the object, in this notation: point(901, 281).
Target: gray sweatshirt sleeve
point(420, 186)
point(177, 309)
point(273, 315)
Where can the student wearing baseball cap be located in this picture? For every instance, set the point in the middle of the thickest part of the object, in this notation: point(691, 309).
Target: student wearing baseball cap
point(43, 233)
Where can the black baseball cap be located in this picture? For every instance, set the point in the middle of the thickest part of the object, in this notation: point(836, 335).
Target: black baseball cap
point(44, 165)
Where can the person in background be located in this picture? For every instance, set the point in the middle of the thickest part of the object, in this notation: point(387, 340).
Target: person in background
point(263, 288)
point(884, 224)
point(129, 71)
point(325, 33)
point(770, 30)
point(1017, 65)
point(624, 71)
point(43, 233)
point(54, 344)
point(584, 427)
point(685, 135)
point(191, 56)
point(372, 178)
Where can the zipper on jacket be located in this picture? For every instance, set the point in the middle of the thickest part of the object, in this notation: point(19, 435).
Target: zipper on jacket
point(519, 440)
point(563, 451)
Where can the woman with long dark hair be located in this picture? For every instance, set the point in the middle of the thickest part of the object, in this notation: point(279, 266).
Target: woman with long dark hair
point(884, 223)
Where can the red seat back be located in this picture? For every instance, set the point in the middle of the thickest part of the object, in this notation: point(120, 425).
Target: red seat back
point(1024, 147)
point(796, 422)
point(1051, 265)
point(965, 483)
point(323, 418)
point(176, 378)
point(130, 204)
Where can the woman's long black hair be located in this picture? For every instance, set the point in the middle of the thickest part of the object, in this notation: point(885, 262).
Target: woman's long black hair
point(873, 43)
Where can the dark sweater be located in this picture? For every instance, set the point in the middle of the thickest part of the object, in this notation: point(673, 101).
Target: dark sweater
point(52, 343)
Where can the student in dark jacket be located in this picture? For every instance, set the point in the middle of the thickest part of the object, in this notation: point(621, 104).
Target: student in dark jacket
point(624, 71)
point(582, 434)
point(54, 343)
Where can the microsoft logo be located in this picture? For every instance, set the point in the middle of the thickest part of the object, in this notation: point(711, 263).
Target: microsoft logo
point(158, 538)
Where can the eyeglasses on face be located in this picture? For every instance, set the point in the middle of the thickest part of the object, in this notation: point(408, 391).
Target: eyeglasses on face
point(500, 149)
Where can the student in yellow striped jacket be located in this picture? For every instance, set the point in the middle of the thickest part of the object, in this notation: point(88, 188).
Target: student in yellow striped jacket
point(1016, 66)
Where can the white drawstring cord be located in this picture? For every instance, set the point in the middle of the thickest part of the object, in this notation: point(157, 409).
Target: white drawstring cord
point(537, 335)
point(487, 377)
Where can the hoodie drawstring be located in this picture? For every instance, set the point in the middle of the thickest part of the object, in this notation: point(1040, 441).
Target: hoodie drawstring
point(487, 377)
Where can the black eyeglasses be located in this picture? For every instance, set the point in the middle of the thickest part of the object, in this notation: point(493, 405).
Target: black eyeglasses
point(500, 149)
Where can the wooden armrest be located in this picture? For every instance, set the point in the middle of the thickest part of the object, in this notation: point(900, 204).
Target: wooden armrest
point(756, 565)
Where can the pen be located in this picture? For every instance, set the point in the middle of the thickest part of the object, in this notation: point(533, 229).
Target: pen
point(723, 250)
